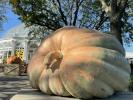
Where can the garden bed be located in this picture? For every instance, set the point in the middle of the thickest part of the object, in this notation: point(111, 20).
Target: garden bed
point(13, 69)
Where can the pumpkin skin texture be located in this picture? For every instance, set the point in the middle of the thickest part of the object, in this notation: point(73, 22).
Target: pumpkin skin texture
point(14, 60)
point(79, 63)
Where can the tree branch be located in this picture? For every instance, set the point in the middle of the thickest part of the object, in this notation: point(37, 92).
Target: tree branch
point(131, 37)
point(122, 6)
point(77, 10)
point(117, 9)
point(61, 12)
point(114, 6)
point(105, 7)
point(101, 20)
point(70, 12)
point(50, 24)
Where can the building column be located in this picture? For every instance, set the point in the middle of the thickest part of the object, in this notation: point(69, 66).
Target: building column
point(13, 47)
point(26, 51)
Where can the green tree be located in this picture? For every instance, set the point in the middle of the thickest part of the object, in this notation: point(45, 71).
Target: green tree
point(2, 12)
point(53, 14)
point(111, 16)
point(118, 16)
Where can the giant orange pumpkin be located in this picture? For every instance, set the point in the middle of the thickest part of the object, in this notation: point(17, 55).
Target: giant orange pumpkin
point(80, 63)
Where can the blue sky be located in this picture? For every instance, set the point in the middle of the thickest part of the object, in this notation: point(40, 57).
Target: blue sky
point(129, 48)
point(12, 20)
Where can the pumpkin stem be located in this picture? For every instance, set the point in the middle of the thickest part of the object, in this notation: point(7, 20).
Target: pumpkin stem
point(53, 59)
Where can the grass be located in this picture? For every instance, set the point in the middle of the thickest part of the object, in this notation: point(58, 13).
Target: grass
point(131, 83)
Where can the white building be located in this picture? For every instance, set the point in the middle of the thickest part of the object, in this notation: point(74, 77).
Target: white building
point(17, 42)
point(129, 56)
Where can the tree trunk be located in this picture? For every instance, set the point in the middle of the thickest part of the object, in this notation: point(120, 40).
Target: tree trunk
point(115, 20)
point(115, 28)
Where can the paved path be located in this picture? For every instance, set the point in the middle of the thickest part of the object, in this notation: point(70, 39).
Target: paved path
point(9, 86)
point(18, 88)
point(32, 94)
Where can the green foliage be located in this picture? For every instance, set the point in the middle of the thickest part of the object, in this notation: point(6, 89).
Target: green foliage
point(128, 23)
point(2, 12)
point(49, 15)
point(53, 14)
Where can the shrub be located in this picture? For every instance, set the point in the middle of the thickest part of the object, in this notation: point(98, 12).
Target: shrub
point(131, 83)
point(14, 60)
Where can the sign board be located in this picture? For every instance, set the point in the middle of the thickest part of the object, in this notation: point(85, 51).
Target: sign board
point(19, 52)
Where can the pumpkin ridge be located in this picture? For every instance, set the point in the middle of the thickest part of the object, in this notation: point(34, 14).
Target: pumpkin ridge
point(85, 90)
point(106, 39)
point(105, 67)
point(56, 85)
point(107, 75)
point(118, 77)
point(69, 89)
point(52, 63)
point(73, 48)
point(94, 52)
point(67, 92)
point(95, 43)
point(34, 82)
point(44, 86)
point(58, 37)
point(101, 89)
